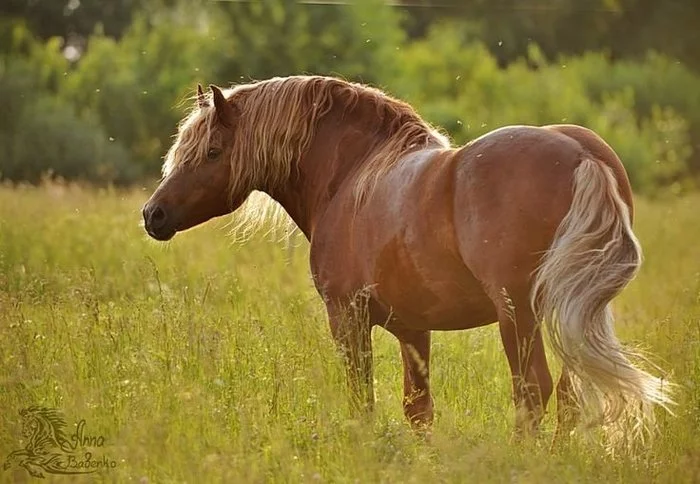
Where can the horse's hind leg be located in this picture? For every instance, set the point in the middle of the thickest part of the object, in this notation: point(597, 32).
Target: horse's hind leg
point(415, 353)
point(522, 341)
point(567, 408)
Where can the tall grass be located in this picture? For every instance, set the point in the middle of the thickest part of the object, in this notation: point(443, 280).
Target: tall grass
point(202, 360)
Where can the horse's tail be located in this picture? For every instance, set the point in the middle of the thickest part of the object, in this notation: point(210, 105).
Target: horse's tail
point(593, 256)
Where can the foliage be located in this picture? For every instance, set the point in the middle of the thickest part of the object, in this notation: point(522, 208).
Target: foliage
point(132, 88)
point(657, 82)
point(625, 28)
point(40, 133)
point(49, 138)
point(275, 38)
point(621, 28)
point(64, 18)
point(217, 365)
point(136, 86)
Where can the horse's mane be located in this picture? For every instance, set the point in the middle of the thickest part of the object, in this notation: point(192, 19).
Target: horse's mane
point(278, 118)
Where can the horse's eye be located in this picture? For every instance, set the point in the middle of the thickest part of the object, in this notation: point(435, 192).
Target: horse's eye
point(213, 153)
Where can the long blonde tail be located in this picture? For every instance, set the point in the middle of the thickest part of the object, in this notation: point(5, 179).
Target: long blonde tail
point(594, 255)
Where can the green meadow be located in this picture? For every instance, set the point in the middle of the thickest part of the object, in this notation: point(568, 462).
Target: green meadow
point(210, 360)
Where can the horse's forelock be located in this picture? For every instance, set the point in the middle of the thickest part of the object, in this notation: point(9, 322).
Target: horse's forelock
point(191, 140)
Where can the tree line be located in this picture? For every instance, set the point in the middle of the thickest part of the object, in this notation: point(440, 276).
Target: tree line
point(102, 85)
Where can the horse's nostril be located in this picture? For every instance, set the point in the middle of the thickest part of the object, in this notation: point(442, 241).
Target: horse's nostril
point(154, 216)
point(157, 215)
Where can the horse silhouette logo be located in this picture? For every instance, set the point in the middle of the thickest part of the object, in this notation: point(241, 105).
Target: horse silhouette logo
point(49, 450)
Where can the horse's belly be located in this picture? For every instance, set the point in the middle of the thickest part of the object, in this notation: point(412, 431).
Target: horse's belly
point(458, 313)
point(439, 294)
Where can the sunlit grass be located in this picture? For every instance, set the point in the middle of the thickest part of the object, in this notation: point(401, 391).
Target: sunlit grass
point(202, 360)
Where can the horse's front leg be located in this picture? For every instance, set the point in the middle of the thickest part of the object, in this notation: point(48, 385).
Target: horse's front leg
point(352, 331)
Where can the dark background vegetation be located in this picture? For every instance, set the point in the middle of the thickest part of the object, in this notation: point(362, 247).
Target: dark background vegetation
point(93, 90)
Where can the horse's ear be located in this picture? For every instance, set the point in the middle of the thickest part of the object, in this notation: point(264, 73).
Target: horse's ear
point(201, 100)
point(224, 110)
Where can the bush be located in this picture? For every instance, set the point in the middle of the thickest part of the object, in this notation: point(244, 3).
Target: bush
point(110, 116)
point(658, 83)
point(357, 40)
point(43, 135)
point(131, 86)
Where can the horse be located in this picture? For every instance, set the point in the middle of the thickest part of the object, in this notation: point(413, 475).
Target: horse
point(529, 227)
point(48, 449)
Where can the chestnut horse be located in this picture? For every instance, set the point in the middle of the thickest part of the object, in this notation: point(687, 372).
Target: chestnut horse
point(524, 225)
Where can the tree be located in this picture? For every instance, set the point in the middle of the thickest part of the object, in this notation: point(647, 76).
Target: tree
point(623, 28)
point(73, 18)
point(276, 38)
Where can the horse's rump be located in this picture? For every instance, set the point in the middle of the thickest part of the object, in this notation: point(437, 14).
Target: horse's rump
point(594, 255)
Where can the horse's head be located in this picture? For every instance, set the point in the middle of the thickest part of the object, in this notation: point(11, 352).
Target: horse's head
point(31, 423)
point(197, 171)
point(43, 429)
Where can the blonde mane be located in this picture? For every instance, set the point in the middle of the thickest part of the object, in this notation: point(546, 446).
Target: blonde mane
point(277, 119)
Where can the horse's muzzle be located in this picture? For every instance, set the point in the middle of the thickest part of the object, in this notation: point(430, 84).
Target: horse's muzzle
point(157, 223)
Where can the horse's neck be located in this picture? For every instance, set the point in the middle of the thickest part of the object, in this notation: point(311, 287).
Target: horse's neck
point(338, 149)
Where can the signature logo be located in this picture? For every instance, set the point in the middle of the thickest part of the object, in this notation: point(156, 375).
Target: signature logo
point(50, 451)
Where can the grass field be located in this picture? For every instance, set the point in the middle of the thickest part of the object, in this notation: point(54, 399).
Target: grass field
point(203, 360)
